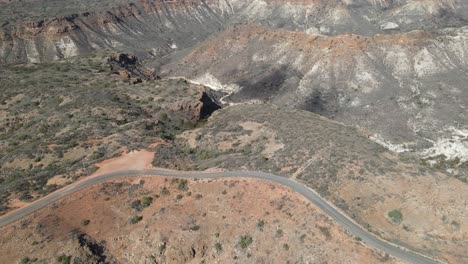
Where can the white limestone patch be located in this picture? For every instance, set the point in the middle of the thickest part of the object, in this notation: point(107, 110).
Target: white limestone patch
point(398, 60)
point(259, 57)
point(453, 147)
point(257, 9)
point(114, 29)
point(424, 64)
point(340, 16)
point(398, 148)
point(31, 52)
point(213, 83)
point(113, 43)
point(313, 31)
point(66, 47)
point(355, 102)
point(173, 46)
point(389, 26)
point(365, 77)
point(324, 30)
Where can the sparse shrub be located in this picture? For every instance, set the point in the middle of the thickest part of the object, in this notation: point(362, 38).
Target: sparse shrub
point(165, 191)
point(396, 216)
point(195, 228)
point(279, 232)
point(163, 117)
point(218, 247)
point(136, 205)
point(27, 260)
point(146, 201)
point(260, 224)
point(245, 241)
point(302, 238)
point(64, 259)
point(162, 248)
point(183, 185)
point(325, 231)
point(285, 246)
point(205, 154)
point(135, 219)
point(85, 222)
point(198, 196)
point(455, 224)
point(179, 197)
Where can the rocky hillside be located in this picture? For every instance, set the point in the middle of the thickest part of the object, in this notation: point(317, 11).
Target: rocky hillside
point(63, 117)
point(407, 90)
point(404, 202)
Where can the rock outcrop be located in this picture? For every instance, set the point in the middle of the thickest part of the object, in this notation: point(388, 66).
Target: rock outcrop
point(196, 110)
point(129, 67)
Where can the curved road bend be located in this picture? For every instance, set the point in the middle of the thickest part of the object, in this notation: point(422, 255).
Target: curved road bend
point(353, 228)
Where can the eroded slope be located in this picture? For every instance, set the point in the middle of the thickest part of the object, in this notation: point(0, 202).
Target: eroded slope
point(407, 90)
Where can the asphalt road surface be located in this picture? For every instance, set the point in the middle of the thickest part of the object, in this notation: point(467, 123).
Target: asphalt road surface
point(343, 220)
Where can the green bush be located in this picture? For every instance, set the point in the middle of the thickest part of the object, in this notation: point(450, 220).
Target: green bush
point(245, 241)
point(396, 216)
point(325, 231)
point(85, 222)
point(64, 259)
point(279, 232)
point(165, 191)
point(260, 224)
point(183, 185)
point(218, 247)
point(27, 260)
point(136, 205)
point(146, 201)
point(135, 219)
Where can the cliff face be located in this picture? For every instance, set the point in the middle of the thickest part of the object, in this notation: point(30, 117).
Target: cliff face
point(408, 89)
point(157, 28)
point(148, 28)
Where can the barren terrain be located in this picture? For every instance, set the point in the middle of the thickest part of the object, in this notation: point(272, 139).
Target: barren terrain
point(186, 222)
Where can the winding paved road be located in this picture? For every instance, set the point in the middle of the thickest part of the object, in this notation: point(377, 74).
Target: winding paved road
point(368, 238)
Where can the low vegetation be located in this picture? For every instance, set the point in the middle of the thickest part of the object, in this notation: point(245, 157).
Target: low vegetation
point(218, 247)
point(63, 259)
point(245, 241)
point(135, 219)
point(396, 216)
point(260, 224)
point(48, 130)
